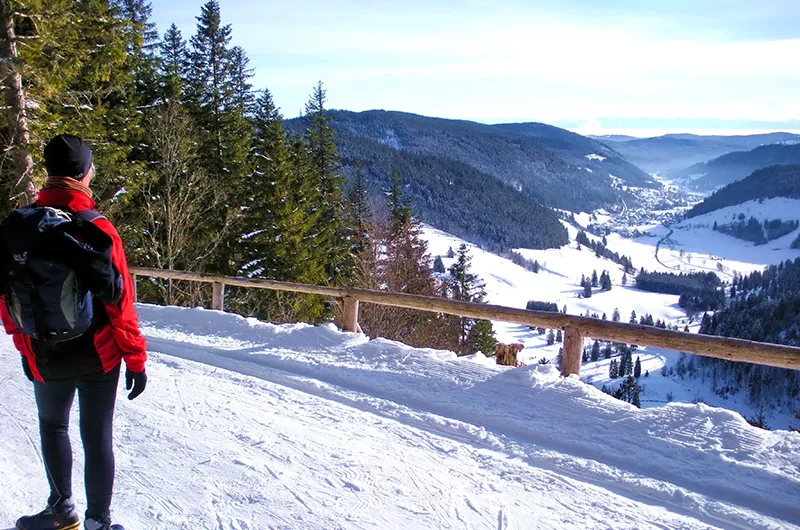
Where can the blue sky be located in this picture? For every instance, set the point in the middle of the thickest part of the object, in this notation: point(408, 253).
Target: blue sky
point(602, 66)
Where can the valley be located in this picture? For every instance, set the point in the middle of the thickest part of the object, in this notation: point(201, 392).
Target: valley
point(657, 240)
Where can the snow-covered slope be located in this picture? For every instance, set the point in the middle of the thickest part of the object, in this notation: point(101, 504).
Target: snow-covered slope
point(693, 245)
point(247, 425)
point(559, 282)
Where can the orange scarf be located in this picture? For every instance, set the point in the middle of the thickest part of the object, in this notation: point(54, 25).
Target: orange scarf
point(67, 183)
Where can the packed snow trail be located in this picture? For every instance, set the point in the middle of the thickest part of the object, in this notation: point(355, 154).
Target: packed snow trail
point(246, 425)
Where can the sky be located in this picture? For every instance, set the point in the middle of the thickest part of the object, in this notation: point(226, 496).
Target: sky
point(641, 67)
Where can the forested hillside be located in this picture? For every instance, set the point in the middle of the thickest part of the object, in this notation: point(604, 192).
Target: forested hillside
point(517, 160)
point(763, 306)
point(455, 197)
point(582, 151)
point(775, 181)
point(738, 165)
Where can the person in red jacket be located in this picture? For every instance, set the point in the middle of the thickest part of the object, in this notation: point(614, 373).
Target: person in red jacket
point(89, 364)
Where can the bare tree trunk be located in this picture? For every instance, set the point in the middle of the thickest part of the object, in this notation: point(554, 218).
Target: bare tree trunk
point(23, 190)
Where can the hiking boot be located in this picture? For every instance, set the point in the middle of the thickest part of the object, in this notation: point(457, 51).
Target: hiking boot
point(95, 524)
point(59, 516)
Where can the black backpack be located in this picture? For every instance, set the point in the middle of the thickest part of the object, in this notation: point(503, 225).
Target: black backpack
point(55, 261)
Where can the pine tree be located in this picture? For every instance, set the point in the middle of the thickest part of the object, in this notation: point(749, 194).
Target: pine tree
point(438, 265)
point(629, 391)
point(467, 287)
point(551, 338)
point(615, 316)
point(613, 369)
point(559, 336)
point(224, 145)
point(624, 279)
point(481, 338)
point(637, 369)
point(633, 317)
point(279, 229)
point(595, 355)
point(80, 71)
point(402, 265)
point(324, 161)
point(605, 281)
point(594, 279)
point(360, 216)
point(173, 64)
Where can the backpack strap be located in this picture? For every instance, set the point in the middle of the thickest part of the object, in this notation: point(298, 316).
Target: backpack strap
point(88, 216)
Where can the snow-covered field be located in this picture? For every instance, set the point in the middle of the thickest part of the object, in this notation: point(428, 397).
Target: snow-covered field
point(559, 282)
point(246, 425)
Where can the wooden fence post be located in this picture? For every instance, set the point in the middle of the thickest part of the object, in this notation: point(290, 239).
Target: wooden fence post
point(135, 287)
point(573, 351)
point(218, 298)
point(350, 318)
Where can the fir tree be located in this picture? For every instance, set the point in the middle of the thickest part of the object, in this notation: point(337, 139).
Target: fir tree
point(280, 227)
point(402, 265)
point(629, 391)
point(224, 144)
point(633, 317)
point(481, 338)
point(360, 216)
point(438, 265)
point(173, 64)
point(637, 369)
point(594, 279)
point(595, 355)
point(466, 286)
point(324, 161)
point(559, 336)
point(605, 281)
point(615, 316)
point(551, 338)
point(613, 369)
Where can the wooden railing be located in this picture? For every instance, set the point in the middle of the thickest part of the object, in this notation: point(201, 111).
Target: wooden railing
point(575, 328)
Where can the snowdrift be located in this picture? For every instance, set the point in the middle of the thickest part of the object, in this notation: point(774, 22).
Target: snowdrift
point(247, 425)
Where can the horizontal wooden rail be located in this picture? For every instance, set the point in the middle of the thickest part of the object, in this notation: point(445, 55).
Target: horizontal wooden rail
point(577, 328)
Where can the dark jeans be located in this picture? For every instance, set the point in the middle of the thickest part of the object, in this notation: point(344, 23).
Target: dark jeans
point(96, 398)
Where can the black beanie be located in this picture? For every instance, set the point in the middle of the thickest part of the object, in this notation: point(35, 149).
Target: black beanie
point(67, 156)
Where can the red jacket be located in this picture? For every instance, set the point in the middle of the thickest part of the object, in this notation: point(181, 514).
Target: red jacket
point(116, 339)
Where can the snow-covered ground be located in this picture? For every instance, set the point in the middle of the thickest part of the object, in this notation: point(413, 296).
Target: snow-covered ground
point(247, 425)
point(694, 245)
point(559, 282)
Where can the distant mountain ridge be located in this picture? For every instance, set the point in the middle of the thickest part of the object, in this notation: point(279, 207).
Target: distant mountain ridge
point(737, 165)
point(549, 165)
point(670, 154)
point(768, 183)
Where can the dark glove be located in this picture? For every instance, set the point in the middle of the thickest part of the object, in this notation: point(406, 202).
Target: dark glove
point(27, 369)
point(135, 380)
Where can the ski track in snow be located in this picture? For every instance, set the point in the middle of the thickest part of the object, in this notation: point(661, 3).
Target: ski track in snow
point(249, 426)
